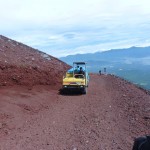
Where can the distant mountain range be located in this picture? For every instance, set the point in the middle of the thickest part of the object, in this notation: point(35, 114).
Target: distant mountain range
point(132, 63)
point(115, 55)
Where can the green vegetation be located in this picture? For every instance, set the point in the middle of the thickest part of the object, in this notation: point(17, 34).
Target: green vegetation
point(139, 77)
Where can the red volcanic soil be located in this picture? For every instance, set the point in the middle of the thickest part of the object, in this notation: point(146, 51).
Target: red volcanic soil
point(23, 65)
point(35, 116)
point(109, 117)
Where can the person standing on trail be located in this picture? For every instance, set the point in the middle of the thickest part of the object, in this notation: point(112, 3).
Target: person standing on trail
point(100, 72)
point(104, 70)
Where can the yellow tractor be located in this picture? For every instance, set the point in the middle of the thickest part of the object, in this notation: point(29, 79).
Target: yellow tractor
point(76, 78)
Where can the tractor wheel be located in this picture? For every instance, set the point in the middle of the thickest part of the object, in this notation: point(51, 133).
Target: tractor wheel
point(84, 91)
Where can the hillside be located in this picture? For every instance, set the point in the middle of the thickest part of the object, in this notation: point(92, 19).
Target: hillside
point(109, 117)
point(23, 65)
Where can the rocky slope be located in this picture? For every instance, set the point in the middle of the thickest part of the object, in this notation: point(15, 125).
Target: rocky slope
point(23, 65)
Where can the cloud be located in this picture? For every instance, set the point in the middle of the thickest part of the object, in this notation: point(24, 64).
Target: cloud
point(68, 12)
point(143, 61)
point(68, 27)
point(66, 42)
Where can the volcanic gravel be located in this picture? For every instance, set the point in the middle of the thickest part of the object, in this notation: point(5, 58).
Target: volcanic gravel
point(23, 65)
point(108, 117)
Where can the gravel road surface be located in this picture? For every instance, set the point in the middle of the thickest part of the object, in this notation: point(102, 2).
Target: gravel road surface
point(108, 117)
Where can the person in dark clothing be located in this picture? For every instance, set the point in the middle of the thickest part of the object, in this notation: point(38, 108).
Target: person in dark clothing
point(100, 72)
point(142, 143)
point(81, 71)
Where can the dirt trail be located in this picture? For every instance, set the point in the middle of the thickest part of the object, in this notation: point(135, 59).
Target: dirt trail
point(107, 118)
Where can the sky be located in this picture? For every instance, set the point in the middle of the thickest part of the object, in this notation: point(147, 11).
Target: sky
point(68, 27)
